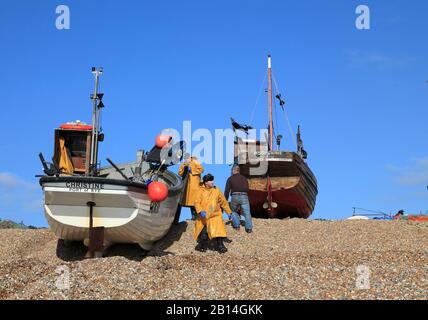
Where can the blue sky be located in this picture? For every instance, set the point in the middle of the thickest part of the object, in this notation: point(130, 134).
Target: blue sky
point(360, 96)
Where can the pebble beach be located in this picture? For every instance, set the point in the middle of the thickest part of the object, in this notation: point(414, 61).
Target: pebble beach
point(280, 260)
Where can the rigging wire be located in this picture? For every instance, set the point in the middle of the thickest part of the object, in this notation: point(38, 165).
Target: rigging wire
point(276, 120)
point(257, 100)
point(290, 128)
point(368, 210)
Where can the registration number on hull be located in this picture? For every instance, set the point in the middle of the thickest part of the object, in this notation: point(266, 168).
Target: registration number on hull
point(84, 187)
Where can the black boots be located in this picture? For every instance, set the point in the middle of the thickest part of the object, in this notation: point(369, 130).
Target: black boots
point(201, 246)
point(220, 246)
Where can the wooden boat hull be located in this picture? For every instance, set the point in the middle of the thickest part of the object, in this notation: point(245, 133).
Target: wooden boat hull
point(293, 187)
point(123, 209)
point(291, 203)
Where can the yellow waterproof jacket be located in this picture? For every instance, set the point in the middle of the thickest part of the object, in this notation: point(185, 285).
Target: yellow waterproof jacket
point(193, 182)
point(213, 202)
point(65, 163)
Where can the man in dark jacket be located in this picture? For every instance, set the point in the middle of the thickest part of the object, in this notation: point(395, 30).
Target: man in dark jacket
point(237, 186)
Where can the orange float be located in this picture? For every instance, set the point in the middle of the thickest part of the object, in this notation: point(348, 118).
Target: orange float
point(157, 191)
point(162, 140)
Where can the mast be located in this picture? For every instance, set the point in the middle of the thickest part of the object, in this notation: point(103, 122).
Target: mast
point(96, 110)
point(270, 103)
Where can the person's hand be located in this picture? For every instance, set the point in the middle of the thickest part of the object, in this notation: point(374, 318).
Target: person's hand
point(203, 214)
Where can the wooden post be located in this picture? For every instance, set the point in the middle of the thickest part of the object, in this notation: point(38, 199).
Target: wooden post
point(96, 235)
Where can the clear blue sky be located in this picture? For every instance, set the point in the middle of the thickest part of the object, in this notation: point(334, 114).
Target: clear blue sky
point(360, 96)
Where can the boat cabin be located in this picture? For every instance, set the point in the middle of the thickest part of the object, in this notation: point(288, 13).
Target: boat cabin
point(72, 148)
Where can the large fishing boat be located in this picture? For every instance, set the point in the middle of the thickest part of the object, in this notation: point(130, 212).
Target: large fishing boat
point(281, 182)
point(134, 202)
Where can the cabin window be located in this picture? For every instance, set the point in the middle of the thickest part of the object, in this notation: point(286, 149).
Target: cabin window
point(76, 143)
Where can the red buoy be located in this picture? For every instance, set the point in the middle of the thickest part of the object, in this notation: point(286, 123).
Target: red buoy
point(157, 191)
point(162, 140)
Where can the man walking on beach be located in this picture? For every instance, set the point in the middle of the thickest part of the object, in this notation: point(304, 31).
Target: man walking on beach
point(193, 169)
point(209, 205)
point(237, 185)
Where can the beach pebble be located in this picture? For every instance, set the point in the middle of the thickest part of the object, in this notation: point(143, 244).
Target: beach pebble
point(281, 259)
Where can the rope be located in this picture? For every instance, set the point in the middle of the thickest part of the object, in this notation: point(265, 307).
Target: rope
point(276, 120)
point(368, 210)
point(290, 128)
point(257, 100)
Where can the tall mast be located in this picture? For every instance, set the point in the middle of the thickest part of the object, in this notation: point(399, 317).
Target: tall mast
point(270, 103)
point(95, 121)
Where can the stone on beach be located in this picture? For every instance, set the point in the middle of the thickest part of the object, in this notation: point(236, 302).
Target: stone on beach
point(281, 259)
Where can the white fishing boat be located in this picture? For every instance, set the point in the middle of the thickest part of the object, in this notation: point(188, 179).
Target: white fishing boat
point(135, 202)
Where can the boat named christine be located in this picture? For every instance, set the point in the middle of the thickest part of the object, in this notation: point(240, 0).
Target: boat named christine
point(102, 206)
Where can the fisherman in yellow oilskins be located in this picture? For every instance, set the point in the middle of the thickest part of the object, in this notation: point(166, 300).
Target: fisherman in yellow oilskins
point(210, 205)
point(193, 168)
